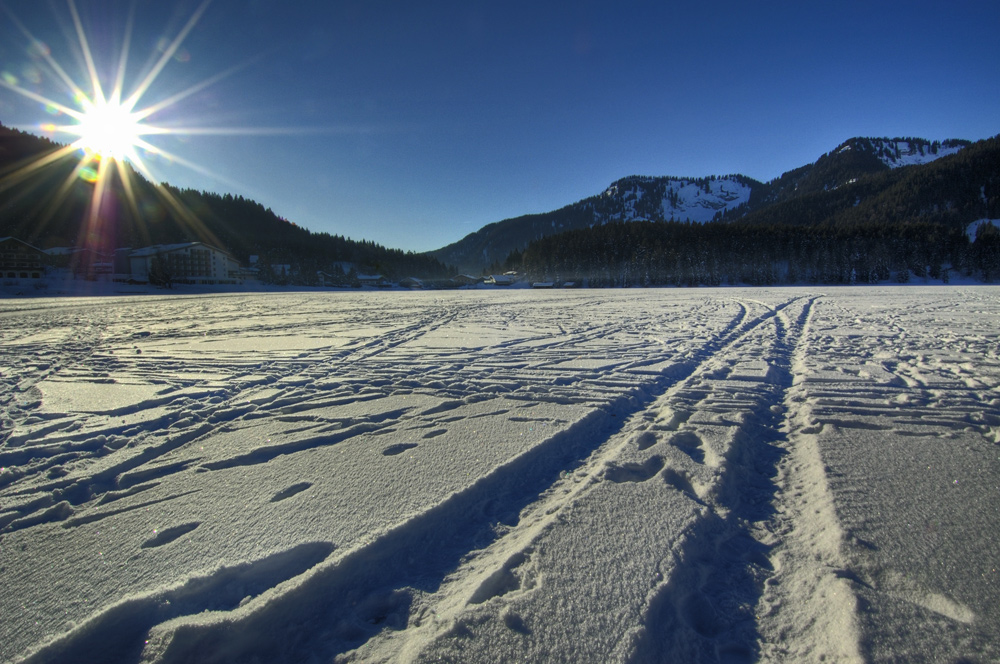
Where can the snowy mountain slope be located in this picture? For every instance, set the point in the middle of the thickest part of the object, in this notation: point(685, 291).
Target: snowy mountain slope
point(854, 159)
point(670, 199)
point(697, 200)
point(898, 152)
point(854, 185)
point(629, 199)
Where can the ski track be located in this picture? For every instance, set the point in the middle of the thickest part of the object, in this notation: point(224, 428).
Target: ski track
point(583, 476)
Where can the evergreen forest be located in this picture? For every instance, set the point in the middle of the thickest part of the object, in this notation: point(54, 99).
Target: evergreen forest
point(882, 224)
point(47, 207)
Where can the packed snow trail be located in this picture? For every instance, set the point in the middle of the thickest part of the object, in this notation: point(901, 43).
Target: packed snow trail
point(707, 475)
point(904, 405)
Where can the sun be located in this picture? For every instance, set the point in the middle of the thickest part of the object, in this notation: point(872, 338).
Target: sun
point(109, 130)
point(111, 121)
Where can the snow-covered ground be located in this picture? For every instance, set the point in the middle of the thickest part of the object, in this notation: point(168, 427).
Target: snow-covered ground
point(724, 475)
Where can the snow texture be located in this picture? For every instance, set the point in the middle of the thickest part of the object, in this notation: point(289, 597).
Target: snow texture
point(782, 475)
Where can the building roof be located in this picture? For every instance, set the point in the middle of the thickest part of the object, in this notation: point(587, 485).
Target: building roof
point(157, 249)
point(70, 251)
point(19, 241)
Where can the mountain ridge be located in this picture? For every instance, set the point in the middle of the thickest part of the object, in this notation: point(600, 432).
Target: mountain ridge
point(929, 222)
point(698, 200)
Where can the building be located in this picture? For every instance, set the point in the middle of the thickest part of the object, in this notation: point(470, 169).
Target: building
point(467, 280)
point(282, 270)
point(327, 279)
point(186, 263)
point(500, 280)
point(121, 264)
point(374, 281)
point(83, 262)
point(411, 282)
point(20, 260)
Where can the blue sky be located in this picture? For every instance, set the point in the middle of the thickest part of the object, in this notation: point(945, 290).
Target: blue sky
point(415, 123)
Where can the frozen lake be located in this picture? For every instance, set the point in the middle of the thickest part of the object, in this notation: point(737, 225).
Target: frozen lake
point(726, 475)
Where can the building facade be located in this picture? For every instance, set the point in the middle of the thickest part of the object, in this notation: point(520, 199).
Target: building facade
point(187, 263)
point(20, 260)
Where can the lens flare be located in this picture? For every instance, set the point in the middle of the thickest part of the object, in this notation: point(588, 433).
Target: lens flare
point(88, 174)
point(109, 130)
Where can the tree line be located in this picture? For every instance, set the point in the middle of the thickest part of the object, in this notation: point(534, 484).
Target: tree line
point(646, 253)
point(848, 219)
point(48, 208)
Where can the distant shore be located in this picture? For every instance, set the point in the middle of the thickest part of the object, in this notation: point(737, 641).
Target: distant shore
point(49, 287)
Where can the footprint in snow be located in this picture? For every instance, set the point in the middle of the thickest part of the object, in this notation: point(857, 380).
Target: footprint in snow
point(690, 443)
point(680, 481)
point(645, 440)
point(169, 535)
point(399, 448)
point(634, 472)
point(291, 491)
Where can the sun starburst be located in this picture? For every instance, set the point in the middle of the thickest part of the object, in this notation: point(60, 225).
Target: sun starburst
point(108, 130)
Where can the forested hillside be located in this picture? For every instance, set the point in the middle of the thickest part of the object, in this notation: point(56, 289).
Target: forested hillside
point(48, 206)
point(803, 191)
point(855, 159)
point(868, 211)
point(628, 199)
point(893, 224)
point(646, 253)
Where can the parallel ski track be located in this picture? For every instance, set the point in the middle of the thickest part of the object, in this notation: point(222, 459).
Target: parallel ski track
point(380, 576)
point(532, 482)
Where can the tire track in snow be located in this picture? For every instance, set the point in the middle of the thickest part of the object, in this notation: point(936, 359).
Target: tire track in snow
point(920, 429)
point(808, 610)
point(679, 452)
point(483, 529)
point(339, 605)
point(35, 461)
point(704, 609)
point(118, 634)
point(499, 578)
point(500, 568)
point(35, 362)
point(698, 468)
point(126, 471)
point(383, 579)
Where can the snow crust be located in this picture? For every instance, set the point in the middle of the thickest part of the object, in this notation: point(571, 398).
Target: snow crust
point(564, 476)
